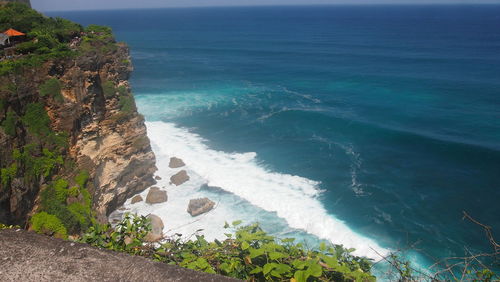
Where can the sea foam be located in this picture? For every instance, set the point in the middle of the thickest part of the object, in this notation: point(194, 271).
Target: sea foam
point(292, 199)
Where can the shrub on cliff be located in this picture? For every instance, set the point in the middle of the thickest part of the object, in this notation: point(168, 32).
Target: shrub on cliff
point(48, 224)
point(72, 206)
point(47, 37)
point(9, 124)
point(108, 89)
point(52, 88)
point(36, 119)
point(249, 254)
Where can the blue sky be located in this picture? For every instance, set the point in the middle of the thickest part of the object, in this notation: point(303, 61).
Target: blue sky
point(51, 5)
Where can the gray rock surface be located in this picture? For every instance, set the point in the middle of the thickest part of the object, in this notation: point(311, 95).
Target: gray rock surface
point(136, 199)
point(176, 163)
point(200, 206)
point(156, 232)
point(27, 256)
point(179, 178)
point(155, 196)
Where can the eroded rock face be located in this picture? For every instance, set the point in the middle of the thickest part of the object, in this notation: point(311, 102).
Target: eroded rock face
point(156, 232)
point(155, 196)
point(200, 206)
point(136, 199)
point(179, 178)
point(108, 142)
point(176, 163)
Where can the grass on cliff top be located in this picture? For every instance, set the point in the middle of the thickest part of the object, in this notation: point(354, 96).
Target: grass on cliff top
point(47, 38)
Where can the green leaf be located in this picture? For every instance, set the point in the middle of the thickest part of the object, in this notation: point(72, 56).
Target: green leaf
point(258, 269)
point(268, 267)
point(276, 255)
point(315, 270)
point(300, 276)
point(237, 222)
point(330, 261)
point(299, 264)
point(226, 225)
point(245, 245)
point(282, 268)
point(255, 252)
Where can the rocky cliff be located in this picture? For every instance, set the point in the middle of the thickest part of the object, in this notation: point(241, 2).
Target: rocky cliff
point(70, 114)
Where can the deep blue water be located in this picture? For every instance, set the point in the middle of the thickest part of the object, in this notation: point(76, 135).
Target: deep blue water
point(395, 109)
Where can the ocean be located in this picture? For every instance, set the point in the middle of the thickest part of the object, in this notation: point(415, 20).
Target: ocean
point(374, 127)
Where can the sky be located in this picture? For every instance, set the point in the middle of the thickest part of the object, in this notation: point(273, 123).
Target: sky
point(63, 5)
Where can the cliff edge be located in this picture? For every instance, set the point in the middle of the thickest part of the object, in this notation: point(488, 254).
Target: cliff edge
point(71, 140)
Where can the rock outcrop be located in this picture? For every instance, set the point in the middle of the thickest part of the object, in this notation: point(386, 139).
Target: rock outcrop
point(179, 178)
point(176, 163)
point(96, 110)
point(200, 206)
point(156, 196)
point(136, 199)
point(27, 256)
point(156, 232)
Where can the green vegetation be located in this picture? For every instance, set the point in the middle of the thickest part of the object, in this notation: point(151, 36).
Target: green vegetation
point(46, 37)
point(37, 163)
point(8, 173)
point(127, 104)
point(36, 119)
point(5, 226)
point(108, 88)
point(98, 38)
point(72, 206)
point(3, 105)
point(48, 224)
point(249, 254)
point(52, 88)
point(9, 124)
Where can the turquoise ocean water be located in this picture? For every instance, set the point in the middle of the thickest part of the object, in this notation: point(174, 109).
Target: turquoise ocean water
point(371, 126)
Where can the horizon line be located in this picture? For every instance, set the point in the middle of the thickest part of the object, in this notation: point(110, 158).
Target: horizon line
point(281, 5)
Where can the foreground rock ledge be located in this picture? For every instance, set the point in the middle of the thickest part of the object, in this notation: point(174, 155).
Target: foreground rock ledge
point(27, 256)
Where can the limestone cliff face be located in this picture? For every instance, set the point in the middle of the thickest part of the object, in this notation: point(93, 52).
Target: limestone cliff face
point(111, 145)
point(106, 135)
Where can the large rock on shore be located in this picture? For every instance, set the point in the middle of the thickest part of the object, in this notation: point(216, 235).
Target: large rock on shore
point(200, 206)
point(176, 163)
point(179, 178)
point(136, 199)
point(156, 232)
point(155, 196)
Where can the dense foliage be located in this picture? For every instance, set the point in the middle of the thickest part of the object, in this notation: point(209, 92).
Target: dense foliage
point(46, 37)
point(48, 224)
point(72, 205)
point(52, 88)
point(248, 253)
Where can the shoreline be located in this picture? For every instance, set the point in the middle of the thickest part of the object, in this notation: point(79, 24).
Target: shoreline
point(248, 192)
